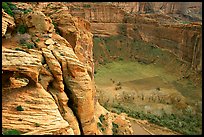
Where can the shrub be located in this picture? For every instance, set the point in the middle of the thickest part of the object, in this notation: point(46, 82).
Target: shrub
point(19, 108)
point(27, 11)
point(37, 125)
point(22, 41)
point(22, 29)
point(37, 40)
point(56, 28)
point(30, 45)
point(48, 4)
point(100, 126)
point(11, 132)
point(18, 49)
point(120, 59)
point(86, 6)
point(101, 118)
point(115, 128)
point(11, 6)
point(6, 8)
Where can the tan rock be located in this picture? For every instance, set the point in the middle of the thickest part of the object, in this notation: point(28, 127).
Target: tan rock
point(40, 116)
point(37, 22)
point(58, 89)
point(21, 62)
point(7, 22)
point(77, 32)
point(79, 83)
point(124, 125)
point(49, 42)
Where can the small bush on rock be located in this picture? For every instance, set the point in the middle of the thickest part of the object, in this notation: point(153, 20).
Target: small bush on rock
point(19, 108)
point(7, 9)
point(21, 29)
point(11, 132)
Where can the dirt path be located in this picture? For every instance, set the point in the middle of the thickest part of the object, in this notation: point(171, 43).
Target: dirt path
point(143, 127)
point(137, 129)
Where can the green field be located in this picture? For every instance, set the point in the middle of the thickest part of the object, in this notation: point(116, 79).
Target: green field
point(140, 76)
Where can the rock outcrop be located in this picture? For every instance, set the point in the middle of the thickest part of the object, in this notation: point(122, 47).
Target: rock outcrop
point(59, 71)
point(40, 115)
point(20, 62)
point(7, 22)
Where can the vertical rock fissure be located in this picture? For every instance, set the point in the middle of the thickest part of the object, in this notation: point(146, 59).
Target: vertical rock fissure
point(69, 94)
point(70, 104)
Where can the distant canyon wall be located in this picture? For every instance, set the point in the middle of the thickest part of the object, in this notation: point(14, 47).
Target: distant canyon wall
point(117, 18)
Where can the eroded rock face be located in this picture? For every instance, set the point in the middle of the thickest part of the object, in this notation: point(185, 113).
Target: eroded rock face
point(40, 115)
point(113, 124)
point(77, 32)
point(7, 22)
point(21, 62)
point(60, 73)
point(164, 27)
point(37, 22)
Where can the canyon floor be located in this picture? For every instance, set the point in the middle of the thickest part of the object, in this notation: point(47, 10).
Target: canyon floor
point(132, 84)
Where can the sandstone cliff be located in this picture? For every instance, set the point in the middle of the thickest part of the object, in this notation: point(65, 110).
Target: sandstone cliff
point(174, 26)
point(48, 84)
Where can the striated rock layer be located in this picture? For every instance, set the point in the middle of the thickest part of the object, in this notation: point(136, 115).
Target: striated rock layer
point(7, 22)
point(166, 24)
point(53, 82)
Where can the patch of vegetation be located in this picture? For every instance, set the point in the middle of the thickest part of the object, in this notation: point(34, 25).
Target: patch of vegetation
point(120, 59)
point(11, 132)
point(100, 126)
point(37, 40)
point(188, 123)
point(87, 6)
point(115, 128)
point(48, 4)
point(30, 45)
point(97, 40)
point(27, 44)
point(37, 125)
point(185, 22)
point(22, 41)
point(7, 6)
point(61, 54)
point(12, 6)
point(18, 49)
point(19, 108)
point(123, 29)
point(56, 28)
point(101, 118)
point(27, 11)
point(22, 29)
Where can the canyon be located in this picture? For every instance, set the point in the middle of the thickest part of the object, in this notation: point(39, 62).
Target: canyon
point(55, 56)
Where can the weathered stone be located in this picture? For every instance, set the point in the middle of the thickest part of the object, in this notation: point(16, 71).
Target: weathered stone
point(7, 22)
point(40, 115)
point(37, 22)
point(49, 42)
point(21, 62)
